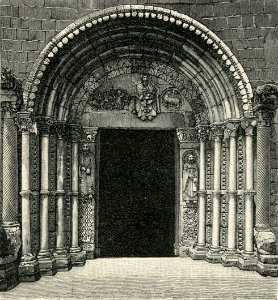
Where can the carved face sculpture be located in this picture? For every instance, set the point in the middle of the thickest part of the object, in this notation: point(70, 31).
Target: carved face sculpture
point(145, 79)
point(191, 158)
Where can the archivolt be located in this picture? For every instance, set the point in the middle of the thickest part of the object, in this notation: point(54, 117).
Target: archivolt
point(143, 33)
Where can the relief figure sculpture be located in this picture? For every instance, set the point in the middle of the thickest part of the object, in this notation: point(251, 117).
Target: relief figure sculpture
point(146, 106)
point(190, 176)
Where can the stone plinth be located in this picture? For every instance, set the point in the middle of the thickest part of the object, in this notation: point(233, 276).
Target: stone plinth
point(63, 260)
point(8, 273)
point(29, 270)
point(78, 259)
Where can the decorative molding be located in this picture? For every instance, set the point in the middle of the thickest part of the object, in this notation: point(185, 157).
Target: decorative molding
point(187, 135)
point(230, 130)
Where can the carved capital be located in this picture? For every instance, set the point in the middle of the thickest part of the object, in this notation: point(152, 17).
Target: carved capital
point(248, 125)
point(8, 81)
point(187, 135)
point(8, 107)
point(266, 97)
point(75, 132)
point(45, 125)
point(60, 129)
point(91, 135)
point(203, 132)
point(217, 131)
point(24, 121)
point(230, 130)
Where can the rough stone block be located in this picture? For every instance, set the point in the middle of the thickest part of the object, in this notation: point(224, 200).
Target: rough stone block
point(31, 23)
point(247, 21)
point(5, 10)
point(37, 35)
point(270, 6)
point(26, 11)
point(245, 7)
point(48, 24)
point(5, 22)
point(261, 20)
point(42, 12)
point(9, 33)
point(234, 22)
point(222, 9)
point(64, 13)
point(257, 6)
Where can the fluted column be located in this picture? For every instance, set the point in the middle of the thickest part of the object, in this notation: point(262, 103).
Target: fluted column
point(29, 267)
point(45, 257)
point(213, 254)
point(230, 255)
point(61, 254)
point(200, 250)
point(77, 256)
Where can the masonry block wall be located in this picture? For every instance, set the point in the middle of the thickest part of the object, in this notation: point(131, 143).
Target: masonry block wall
point(249, 27)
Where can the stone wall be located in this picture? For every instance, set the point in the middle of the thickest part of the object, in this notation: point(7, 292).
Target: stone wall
point(248, 27)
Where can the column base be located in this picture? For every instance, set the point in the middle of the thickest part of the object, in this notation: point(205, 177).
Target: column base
point(247, 261)
point(29, 269)
point(268, 265)
point(63, 261)
point(198, 252)
point(47, 263)
point(229, 258)
point(214, 255)
point(90, 250)
point(78, 257)
point(8, 273)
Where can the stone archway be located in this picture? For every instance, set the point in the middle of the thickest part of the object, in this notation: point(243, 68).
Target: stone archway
point(210, 108)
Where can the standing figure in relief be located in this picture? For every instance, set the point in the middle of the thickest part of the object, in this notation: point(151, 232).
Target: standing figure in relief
point(190, 176)
point(146, 106)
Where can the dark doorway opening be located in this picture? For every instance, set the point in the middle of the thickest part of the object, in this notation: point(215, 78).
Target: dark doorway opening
point(136, 193)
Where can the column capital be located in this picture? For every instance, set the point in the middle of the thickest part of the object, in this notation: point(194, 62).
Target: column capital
point(231, 129)
point(248, 125)
point(75, 132)
point(203, 132)
point(24, 122)
point(266, 97)
point(60, 129)
point(45, 124)
point(217, 131)
point(187, 134)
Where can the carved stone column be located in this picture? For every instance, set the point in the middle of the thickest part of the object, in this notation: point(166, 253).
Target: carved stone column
point(187, 206)
point(199, 251)
point(213, 254)
point(46, 260)
point(247, 259)
point(230, 257)
point(88, 193)
point(61, 254)
point(29, 267)
point(77, 256)
point(266, 101)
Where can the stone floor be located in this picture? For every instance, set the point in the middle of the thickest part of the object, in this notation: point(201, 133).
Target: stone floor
point(149, 278)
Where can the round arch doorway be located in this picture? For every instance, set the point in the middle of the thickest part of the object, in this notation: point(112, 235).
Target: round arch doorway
point(106, 71)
